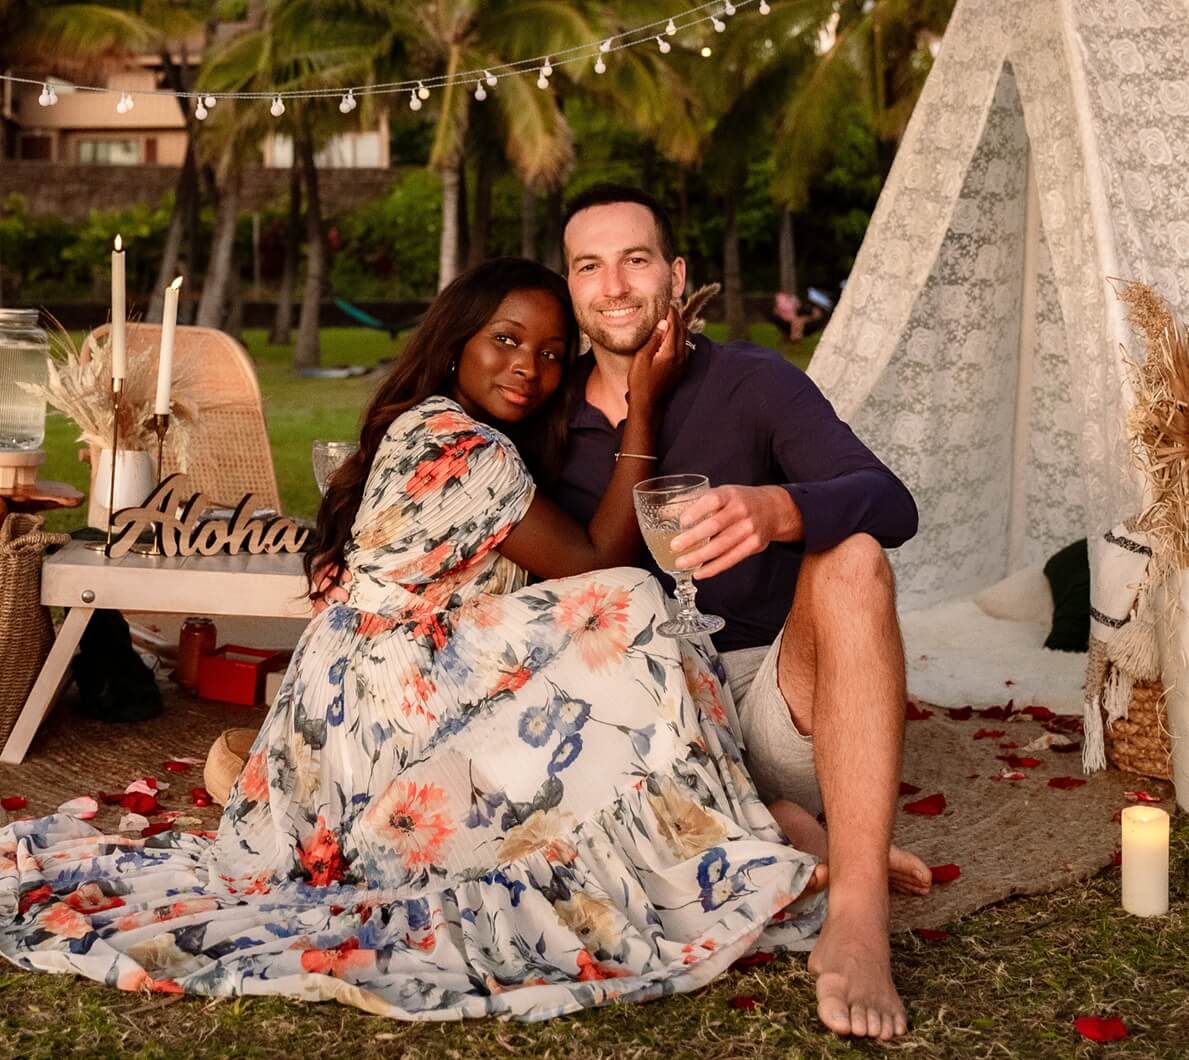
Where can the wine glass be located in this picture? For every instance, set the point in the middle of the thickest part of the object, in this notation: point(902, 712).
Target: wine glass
point(659, 504)
point(326, 458)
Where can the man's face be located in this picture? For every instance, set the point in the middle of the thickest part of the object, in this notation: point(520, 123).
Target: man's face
point(619, 280)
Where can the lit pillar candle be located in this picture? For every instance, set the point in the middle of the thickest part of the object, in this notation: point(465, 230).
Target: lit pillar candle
point(169, 323)
point(1145, 861)
point(119, 351)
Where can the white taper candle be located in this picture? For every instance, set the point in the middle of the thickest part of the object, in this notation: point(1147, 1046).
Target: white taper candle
point(119, 315)
point(169, 323)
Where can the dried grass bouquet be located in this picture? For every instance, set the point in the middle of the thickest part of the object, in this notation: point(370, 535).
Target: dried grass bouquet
point(78, 384)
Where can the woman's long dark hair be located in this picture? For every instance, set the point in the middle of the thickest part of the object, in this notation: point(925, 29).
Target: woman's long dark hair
point(424, 369)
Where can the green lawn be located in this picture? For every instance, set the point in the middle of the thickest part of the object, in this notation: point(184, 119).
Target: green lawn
point(301, 410)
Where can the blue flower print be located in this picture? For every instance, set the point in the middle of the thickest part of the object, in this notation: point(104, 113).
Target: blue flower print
point(712, 867)
point(568, 714)
point(536, 726)
point(341, 618)
point(565, 753)
point(334, 712)
point(338, 671)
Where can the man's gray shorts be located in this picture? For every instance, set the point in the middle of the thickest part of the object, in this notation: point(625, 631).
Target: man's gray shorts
point(778, 756)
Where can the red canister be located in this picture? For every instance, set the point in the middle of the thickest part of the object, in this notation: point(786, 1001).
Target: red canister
point(196, 639)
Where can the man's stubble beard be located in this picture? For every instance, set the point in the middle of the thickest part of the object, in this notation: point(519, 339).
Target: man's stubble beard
point(626, 345)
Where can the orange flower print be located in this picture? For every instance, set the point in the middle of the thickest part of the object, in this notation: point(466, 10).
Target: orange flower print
point(417, 689)
point(451, 463)
point(338, 959)
point(253, 782)
point(408, 817)
point(430, 625)
point(34, 897)
point(596, 617)
point(589, 969)
point(62, 920)
point(371, 625)
point(320, 857)
point(512, 680)
point(450, 423)
point(89, 898)
point(139, 979)
point(706, 691)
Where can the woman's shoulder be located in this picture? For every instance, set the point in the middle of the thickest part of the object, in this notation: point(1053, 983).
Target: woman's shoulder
point(443, 420)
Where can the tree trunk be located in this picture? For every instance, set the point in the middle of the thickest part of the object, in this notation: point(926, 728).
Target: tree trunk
point(448, 246)
point(233, 323)
point(788, 253)
point(220, 269)
point(732, 271)
point(551, 253)
point(481, 224)
point(463, 214)
point(528, 222)
point(308, 352)
point(283, 321)
point(186, 190)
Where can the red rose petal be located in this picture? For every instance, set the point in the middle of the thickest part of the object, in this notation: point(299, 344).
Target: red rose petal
point(908, 789)
point(1009, 683)
point(931, 934)
point(153, 829)
point(174, 766)
point(961, 713)
point(1101, 1028)
point(999, 713)
point(200, 797)
point(139, 802)
point(1039, 713)
point(914, 713)
point(989, 734)
point(110, 799)
point(945, 873)
point(753, 960)
point(1066, 782)
point(1117, 857)
point(930, 806)
point(14, 802)
point(1017, 762)
point(1140, 796)
point(744, 1002)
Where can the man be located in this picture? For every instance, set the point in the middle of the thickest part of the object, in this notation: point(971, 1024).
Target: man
point(818, 676)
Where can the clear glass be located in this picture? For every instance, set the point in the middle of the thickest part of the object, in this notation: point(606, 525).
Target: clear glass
point(24, 356)
point(326, 457)
point(659, 504)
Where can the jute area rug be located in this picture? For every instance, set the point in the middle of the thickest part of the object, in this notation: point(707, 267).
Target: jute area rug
point(1007, 837)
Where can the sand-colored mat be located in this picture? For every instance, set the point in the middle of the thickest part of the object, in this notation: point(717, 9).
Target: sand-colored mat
point(1008, 837)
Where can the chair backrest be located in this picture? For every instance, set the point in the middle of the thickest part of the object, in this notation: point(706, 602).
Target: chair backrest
point(229, 455)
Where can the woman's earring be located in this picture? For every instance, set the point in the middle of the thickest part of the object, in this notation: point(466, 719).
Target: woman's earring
point(454, 366)
point(584, 343)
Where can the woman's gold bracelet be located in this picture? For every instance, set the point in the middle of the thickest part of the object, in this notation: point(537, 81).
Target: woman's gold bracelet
point(638, 456)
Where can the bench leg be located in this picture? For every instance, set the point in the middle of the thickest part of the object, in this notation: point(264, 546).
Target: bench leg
point(45, 689)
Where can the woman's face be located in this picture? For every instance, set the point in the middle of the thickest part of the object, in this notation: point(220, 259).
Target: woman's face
point(512, 365)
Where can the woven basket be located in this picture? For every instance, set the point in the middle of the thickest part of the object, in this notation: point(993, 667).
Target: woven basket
point(26, 631)
point(1140, 743)
point(225, 761)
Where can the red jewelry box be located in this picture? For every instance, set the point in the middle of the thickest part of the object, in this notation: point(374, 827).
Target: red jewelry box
point(236, 674)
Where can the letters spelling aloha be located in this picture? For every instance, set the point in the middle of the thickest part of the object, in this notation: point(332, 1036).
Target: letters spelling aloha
point(183, 534)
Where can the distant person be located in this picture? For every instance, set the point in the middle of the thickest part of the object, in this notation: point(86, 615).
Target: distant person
point(802, 320)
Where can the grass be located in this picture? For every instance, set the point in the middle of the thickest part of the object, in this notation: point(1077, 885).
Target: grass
point(300, 410)
point(1007, 983)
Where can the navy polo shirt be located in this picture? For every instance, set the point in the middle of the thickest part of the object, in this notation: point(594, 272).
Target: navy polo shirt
point(742, 415)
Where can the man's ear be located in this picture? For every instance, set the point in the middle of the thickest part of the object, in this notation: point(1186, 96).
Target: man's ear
point(677, 275)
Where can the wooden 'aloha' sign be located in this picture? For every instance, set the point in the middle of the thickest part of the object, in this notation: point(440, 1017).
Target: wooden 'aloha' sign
point(174, 516)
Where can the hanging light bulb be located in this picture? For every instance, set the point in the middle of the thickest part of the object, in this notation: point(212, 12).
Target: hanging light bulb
point(706, 52)
point(125, 104)
point(277, 108)
point(480, 91)
point(414, 100)
point(605, 46)
point(718, 23)
point(422, 91)
point(46, 99)
point(53, 96)
point(490, 78)
point(728, 9)
point(664, 45)
point(671, 28)
point(547, 69)
point(542, 82)
point(600, 66)
point(200, 111)
point(209, 102)
point(764, 8)
point(345, 105)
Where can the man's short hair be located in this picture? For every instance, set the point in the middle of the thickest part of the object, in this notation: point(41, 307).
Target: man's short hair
point(608, 195)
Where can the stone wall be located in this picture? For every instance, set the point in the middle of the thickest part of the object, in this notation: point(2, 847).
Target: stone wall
point(68, 190)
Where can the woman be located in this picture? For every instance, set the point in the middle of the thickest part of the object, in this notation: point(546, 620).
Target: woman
point(461, 803)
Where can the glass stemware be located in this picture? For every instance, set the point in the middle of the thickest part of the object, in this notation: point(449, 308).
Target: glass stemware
point(659, 504)
point(326, 458)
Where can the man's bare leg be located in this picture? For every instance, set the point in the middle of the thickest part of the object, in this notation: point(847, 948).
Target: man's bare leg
point(841, 669)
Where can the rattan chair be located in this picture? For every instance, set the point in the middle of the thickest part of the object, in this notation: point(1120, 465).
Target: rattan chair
point(230, 454)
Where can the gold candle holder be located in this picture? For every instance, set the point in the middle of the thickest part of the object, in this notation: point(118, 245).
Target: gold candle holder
point(117, 391)
point(160, 429)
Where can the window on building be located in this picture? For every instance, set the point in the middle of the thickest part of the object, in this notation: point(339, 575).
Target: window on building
point(109, 152)
point(150, 150)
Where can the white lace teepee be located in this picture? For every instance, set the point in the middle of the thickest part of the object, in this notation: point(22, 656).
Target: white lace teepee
point(977, 347)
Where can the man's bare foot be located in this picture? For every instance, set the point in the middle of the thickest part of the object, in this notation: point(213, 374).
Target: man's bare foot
point(907, 873)
point(855, 992)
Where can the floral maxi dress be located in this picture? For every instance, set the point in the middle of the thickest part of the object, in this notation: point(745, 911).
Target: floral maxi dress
point(461, 803)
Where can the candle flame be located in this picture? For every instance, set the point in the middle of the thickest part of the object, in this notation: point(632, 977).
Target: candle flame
point(119, 244)
point(176, 285)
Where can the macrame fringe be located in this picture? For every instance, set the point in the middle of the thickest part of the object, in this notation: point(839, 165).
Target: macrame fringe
point(1134, 649)
point(1093, 741)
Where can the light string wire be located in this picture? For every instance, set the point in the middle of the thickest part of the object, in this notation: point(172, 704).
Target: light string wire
point(632, 38)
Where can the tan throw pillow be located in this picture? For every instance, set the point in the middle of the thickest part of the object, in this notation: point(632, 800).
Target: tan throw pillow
point(1021, 597)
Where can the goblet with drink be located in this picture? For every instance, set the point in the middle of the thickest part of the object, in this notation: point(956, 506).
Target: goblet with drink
point(659, 504)
point(326, 458)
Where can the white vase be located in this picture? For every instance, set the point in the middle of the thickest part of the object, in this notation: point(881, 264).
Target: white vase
point(1173, 625)
point(135, 478)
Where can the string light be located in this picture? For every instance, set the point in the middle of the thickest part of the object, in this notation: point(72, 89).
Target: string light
point(480, 91)
point(277, 108)
point(490, 78)
point(764, 8)
point(605, 46)
point(345, 105)
point(542, 82)
point(664, 45)
point(718, 24)
point(671, 28)
point(547, 69)
point(48, 96)
point(200, 111)
point(706, 51)
point(728, 9)
point(422, 91)
point(600, 66)
point(209, 102)
point(125, 104)
point(414, 100)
